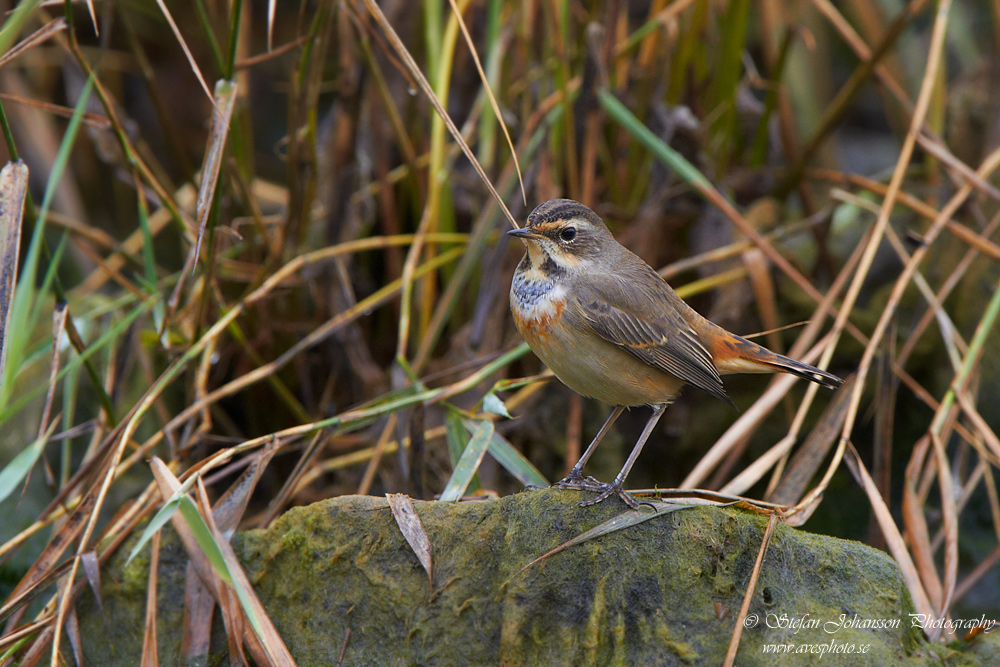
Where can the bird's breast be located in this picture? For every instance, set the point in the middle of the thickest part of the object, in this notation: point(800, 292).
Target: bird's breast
point(537, 303)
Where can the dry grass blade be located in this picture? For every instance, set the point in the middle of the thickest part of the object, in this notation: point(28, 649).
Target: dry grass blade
point(273, 645)
point(150, 657)
point(197, 625)
point(894, 540)
point(870, 248)
point(47, 561)
point(749, 419)
point(17, 602)
point(916, 525)
point(747, 422)
point(229, 509)
point(34, 39)
point(271, 4)
point(288, 487)
point(225, 99)
point(92, 570)
point(964, 170)
point(809, 457)
point(59, 315)
point(977, 241)
point(413, 530)
point(317, 335)
point(274, 651)
point(73, 633)
point(131, 246)
point(414, 70)
point(36, 652)
point(949, 514)
point(982, 427)
point(13, 189)
point(734, 642)
point(23, 633)
point(977, 573)
point(704, 187)
point(489, 93)
point(923, 102)
point(93, 17)
point(184, 46)
point(764, 294)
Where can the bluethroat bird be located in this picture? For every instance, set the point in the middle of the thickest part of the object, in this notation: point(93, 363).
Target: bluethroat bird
point(611, 328)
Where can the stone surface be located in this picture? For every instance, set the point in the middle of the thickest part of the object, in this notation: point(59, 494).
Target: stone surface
point(664, 592)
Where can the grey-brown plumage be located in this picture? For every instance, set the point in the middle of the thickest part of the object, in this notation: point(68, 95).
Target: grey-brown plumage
point(613, 306)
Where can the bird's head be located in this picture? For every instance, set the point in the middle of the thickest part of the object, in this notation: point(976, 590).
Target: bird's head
point(567, 233)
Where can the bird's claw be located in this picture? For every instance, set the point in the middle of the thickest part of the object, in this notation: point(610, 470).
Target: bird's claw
point(574, 480)
point(608, 490)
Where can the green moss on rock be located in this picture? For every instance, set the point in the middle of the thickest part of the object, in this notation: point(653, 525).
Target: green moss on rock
point(665, 592)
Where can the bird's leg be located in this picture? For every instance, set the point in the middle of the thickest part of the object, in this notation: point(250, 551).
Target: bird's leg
point(575, 478)
point(615, 487)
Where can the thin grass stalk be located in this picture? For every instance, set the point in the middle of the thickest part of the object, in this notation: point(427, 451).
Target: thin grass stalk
point(229, 65)
point(474, 250)
point(752, 417)
point(436, 177)
point(487, 88)
point(894, 540)
point(421, 80)
point(734, 642)
point(705, 188)
point(878, 231)
point(429, 397)
point(840, 104)
point(316, 336)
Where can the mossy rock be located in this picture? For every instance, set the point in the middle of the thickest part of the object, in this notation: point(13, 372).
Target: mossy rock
point(664, 592)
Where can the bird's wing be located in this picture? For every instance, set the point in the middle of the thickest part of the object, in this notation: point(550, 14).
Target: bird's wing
point(637, 311)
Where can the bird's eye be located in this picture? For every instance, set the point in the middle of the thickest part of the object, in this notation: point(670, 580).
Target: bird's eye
point(568, 234)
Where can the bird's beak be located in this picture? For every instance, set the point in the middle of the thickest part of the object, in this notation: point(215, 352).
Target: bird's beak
point(524, 233)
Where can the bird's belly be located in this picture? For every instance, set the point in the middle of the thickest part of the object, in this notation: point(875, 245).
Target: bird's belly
point(585, 362)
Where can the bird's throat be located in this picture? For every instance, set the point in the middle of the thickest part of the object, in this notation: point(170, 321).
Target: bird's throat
point(541, 264)
point(530, 284)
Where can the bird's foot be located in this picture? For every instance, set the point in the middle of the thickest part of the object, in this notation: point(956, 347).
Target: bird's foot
point(608, 490)
point(575, 480)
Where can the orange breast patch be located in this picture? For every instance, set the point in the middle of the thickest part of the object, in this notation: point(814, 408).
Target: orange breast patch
point(537, 322)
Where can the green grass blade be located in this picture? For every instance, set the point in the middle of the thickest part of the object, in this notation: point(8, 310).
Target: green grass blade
point(50, 275)
point(203, 534)
point(160, 519)
point(512, 460)
point(149, 260)
point(469, 463)
point(165, 514)
point(493, 405)
point(24, 313)
point(456, 437)
point(103, 341)
point(14, 472)
point(13, 193)
point(662, 151)
point(12, 26)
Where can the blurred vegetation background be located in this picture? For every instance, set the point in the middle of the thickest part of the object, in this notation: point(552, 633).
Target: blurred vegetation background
point(248, 232)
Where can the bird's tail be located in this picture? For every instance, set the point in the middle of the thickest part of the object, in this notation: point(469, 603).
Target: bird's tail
point(734, 354)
